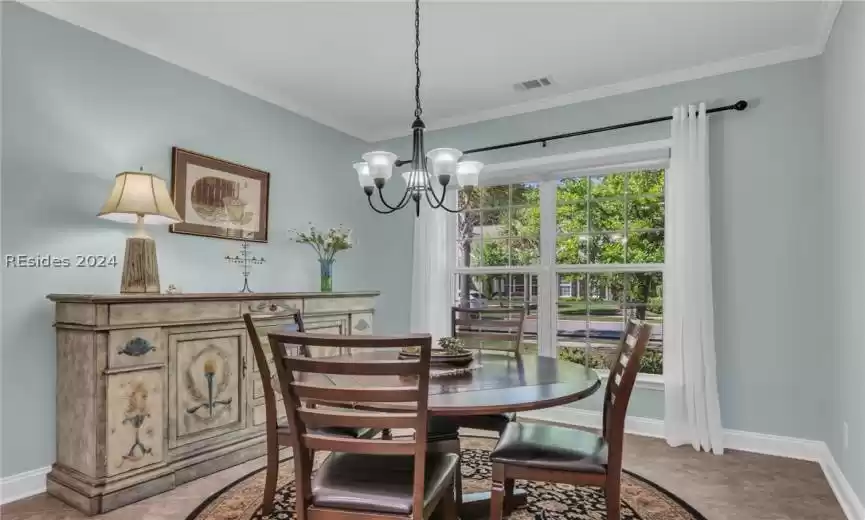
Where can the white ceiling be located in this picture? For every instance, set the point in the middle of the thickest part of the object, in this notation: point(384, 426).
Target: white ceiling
point(349, 65)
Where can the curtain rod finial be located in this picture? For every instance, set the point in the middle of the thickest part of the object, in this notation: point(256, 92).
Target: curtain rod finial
point(741, 105)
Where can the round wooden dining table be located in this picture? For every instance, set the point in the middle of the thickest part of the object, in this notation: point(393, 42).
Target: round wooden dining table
point(495, 383)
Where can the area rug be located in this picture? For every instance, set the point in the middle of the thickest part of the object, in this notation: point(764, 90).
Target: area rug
point(641, 499)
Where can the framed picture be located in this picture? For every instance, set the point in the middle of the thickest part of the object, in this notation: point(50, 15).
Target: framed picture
point(218, 198)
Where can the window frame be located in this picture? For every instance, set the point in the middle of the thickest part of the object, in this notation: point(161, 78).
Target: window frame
point(546, 172)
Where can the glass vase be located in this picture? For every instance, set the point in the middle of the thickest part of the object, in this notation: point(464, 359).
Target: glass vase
point(326, 274)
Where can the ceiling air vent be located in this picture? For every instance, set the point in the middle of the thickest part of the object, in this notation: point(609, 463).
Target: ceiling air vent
point(532, 84)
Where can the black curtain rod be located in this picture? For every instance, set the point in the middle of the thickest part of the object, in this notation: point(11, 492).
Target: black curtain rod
point(738, 106)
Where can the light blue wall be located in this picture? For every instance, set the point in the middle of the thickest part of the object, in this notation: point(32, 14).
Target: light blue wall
point(767, 229)
point(77, 110)
point(844, 69)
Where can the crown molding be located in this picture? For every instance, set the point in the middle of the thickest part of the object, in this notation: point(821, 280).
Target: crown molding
point(718, 68)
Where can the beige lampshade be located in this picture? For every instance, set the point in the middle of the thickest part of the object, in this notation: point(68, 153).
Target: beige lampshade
point(140, 193)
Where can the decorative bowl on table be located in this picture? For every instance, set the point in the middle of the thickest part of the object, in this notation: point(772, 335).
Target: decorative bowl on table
point(451, 352)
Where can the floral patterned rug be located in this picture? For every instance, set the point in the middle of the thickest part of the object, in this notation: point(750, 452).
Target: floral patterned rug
point(641, 499)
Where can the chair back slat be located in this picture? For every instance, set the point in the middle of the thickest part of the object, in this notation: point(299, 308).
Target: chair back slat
point(489, 328)
point(324, 442)
point(345, 367)
point(507, 325)
point(323, 418)
point(360, 382)
point(620, 383)
point(355, 394)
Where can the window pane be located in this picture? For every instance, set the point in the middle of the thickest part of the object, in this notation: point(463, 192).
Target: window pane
point(525, 251)
point(473, 252)
point(527, 194)
point(645, 247)
point(525, 221)
point(572, 191)
point(646, 213)
point(572, 249)
point(608, 185)
point(572, 218)
point(495, 196)
point(606, 248)
point(607, 215)
point(644, 301)
point(495, 253)
point(646, 181)
point(470, 200)
point(494, 223)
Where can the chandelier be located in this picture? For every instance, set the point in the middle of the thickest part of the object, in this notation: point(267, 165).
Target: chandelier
point(376, 168)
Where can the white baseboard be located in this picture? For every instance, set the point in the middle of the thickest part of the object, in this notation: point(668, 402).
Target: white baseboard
point(779, 446)
point(850, 503)
point(23, 485)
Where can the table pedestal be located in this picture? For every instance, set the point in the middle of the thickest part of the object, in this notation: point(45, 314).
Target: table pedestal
point(443, 436)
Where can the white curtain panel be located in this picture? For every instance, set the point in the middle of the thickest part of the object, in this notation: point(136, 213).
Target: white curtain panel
point(430, 290)
point(692, 414)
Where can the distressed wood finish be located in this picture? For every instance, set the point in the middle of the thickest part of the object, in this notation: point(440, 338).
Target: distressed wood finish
point(140, 272)
point(130, 367)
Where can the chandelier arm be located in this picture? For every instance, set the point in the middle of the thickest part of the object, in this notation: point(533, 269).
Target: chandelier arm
point(401, 204)
point(381, 211)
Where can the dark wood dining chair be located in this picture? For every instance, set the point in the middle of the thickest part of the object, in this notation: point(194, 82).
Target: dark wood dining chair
point(563, 455)
point(276, 434)
point(363, 479)
point(497, 329)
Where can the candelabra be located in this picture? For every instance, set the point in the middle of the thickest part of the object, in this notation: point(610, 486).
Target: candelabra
point(246, 261)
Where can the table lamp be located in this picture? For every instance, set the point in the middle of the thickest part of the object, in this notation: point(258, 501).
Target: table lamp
point(141, 198)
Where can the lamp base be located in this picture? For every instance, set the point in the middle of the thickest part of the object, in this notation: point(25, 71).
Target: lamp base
point(140, 272)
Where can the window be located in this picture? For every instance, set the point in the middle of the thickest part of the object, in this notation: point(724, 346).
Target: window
point(606, 267)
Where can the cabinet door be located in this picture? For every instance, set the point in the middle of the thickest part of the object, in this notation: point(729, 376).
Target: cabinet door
point(206, 384)
point(326, 325)
point(134, 420)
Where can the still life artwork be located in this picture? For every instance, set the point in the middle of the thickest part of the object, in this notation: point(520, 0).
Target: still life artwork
point(218, 198)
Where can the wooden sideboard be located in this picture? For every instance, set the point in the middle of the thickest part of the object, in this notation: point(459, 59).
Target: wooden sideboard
point(157, 390)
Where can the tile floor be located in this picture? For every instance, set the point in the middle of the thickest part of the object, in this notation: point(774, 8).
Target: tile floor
point(738, 485)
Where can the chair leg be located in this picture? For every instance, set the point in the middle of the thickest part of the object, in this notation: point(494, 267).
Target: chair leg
point(509, 495)
point(497, 497)
point(613, 494)
point(449, 505)
point(272, 473)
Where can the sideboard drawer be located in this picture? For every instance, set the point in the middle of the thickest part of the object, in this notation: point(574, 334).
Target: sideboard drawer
point(132, 347)
point(271, 307)
point(142, 313)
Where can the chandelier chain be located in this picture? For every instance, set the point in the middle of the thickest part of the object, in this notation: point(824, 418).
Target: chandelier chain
point(418, 110)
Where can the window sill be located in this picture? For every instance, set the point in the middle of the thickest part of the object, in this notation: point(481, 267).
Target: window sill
point(644, 381)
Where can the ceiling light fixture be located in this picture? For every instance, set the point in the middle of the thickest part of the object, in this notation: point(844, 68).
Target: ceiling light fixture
point(376, 168)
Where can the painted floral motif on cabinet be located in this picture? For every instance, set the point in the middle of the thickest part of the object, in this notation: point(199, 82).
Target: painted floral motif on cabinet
point(134, 420)
point(208, 389)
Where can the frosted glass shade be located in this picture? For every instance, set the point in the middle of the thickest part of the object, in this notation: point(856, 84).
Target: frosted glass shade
point(468, 173)
point(414, 179)
point(380, 164)
point(139, 194)
point(444, 160)
point(363, 176)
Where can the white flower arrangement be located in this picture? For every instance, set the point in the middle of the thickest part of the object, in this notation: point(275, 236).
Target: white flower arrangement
point(326, 245)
